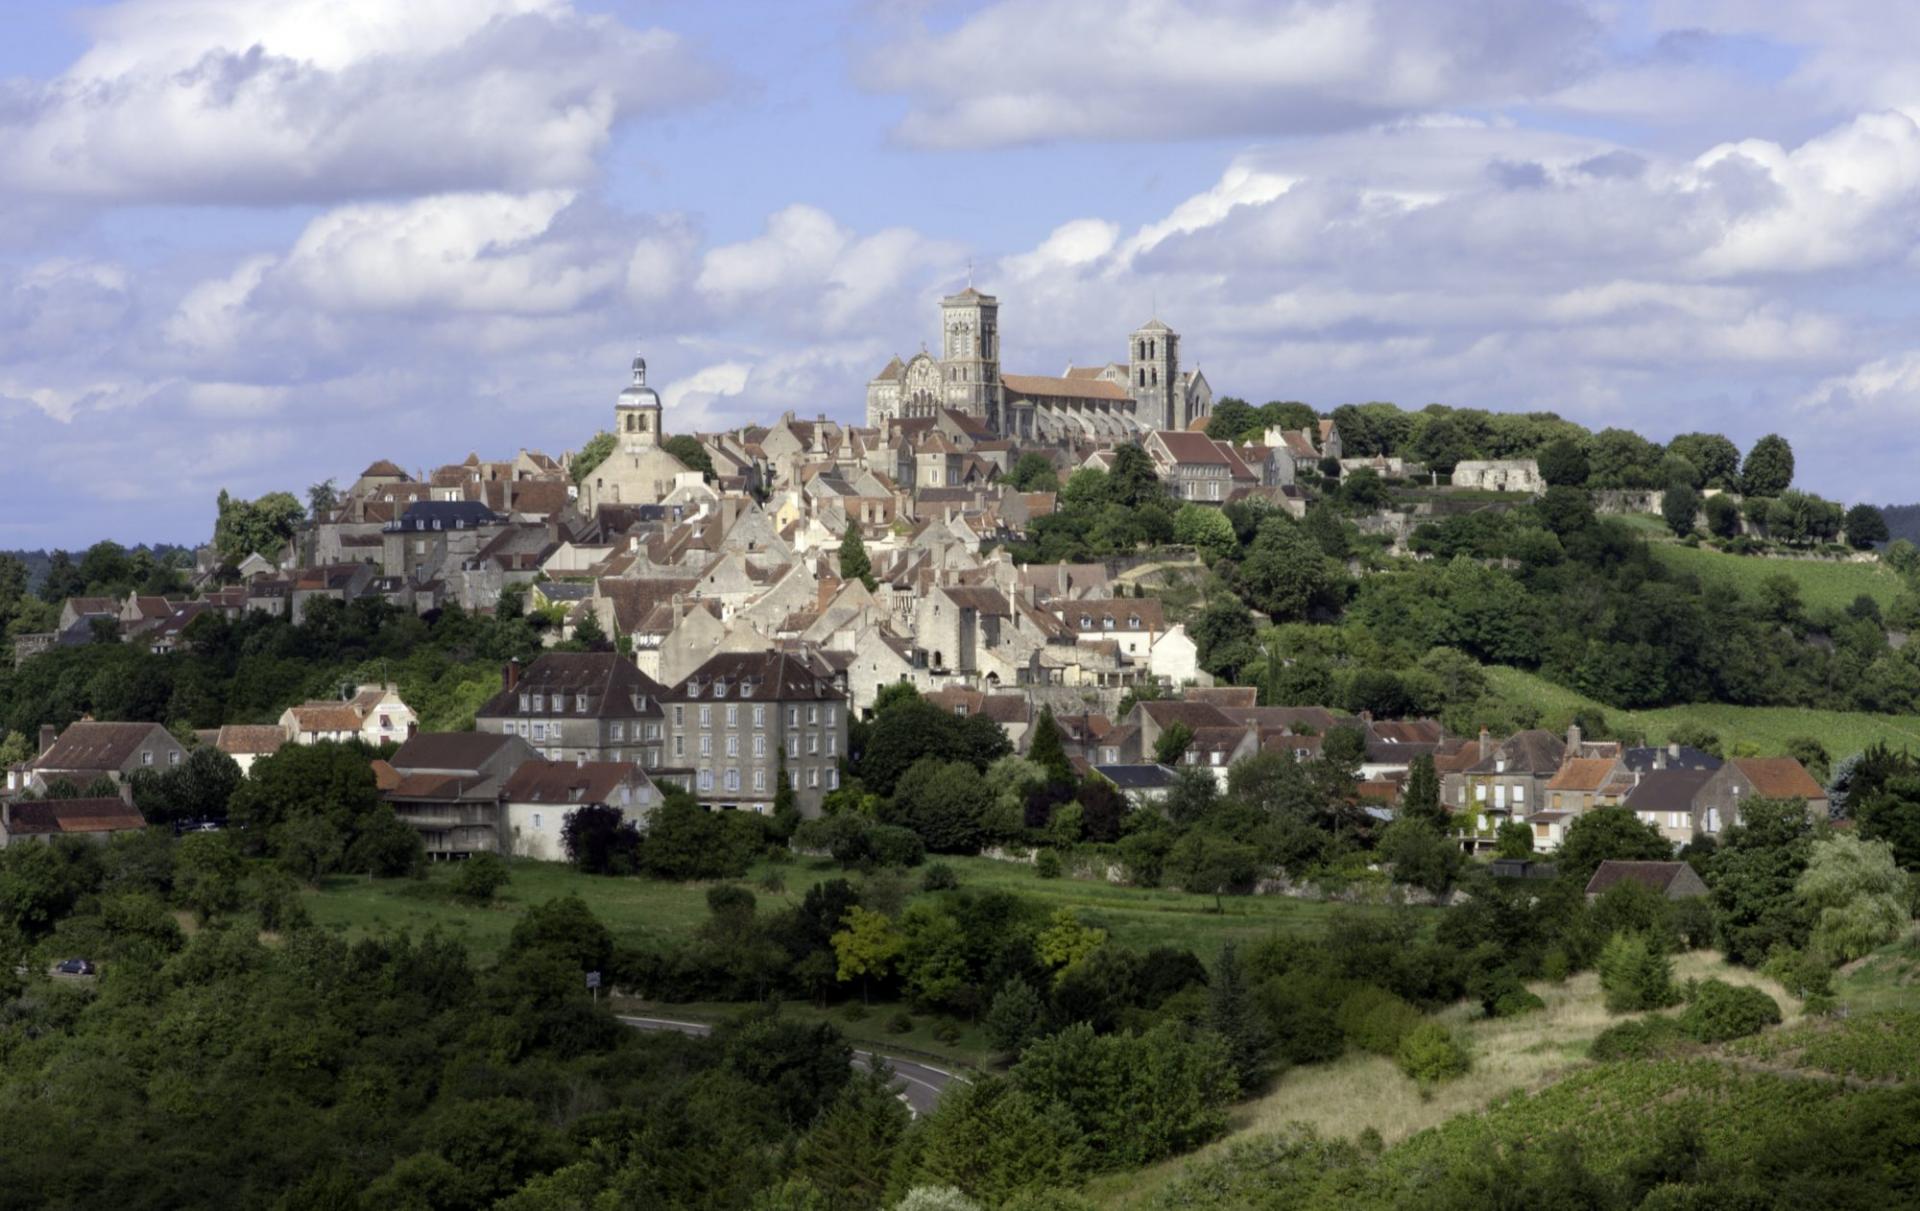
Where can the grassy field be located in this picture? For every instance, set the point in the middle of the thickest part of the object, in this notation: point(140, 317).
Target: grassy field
point(1136, 917)
point(1823, 584)
point(1523, 1054)
point(1767, 727)
point(1886, 980)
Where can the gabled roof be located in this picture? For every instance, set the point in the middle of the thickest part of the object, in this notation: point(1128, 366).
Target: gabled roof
point(566, 782)
point(755, 677)
point(74, 816)
point(436, 752)
point(1044, 386)
point(1667, 790)
point(1582, 774)
point(383, 469)
point(1779, 778)
point(249, 740)
point(1673, 880)
point(1196, 449)
point(325, 717)
point(613, 685)
point(1194, 715)
point(88, 745)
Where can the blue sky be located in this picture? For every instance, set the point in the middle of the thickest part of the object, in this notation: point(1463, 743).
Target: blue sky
point(253, 244)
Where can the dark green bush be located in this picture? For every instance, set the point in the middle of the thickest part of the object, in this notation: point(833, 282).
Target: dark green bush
point(900, 1023)
point(1720, 1011)
point(1636, 975)
point(1643, 1039)
point(939, 877)
point(1047, 865)
point(1428, 1053)
point(1375, 1020)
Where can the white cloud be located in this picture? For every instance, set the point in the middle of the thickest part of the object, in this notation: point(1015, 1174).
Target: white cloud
point(808, 274)
point(1143, 70)
point(274, 101)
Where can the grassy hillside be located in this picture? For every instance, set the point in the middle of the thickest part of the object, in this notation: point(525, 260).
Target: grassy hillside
point(1136, 917)
point(1768, 727)
point(1823, 584)
point(1511, 1057)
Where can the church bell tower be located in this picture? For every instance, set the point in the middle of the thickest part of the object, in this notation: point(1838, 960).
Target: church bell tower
point(1153, 372)
point(636, 414)
point(970, 354)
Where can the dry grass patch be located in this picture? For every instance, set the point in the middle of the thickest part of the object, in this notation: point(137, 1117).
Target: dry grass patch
point(1525, 1053)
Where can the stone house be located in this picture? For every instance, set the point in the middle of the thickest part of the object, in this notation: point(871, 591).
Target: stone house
point(88, 751)
point(734, 720)
point(447, 786)
point(540, 796)
point(581, 707)
point(1717, 806)
point(1669, 799)
point(374, 714)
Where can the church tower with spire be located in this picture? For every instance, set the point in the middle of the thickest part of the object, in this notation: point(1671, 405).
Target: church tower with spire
point(1153, 374)
point(636, 414)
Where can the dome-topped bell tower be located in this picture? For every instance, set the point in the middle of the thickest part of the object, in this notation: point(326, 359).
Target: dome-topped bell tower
point(636, 415)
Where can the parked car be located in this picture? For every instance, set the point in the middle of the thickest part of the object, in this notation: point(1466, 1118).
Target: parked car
point(75, 967)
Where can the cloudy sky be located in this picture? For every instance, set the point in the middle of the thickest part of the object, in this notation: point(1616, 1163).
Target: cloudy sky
point(254, 244)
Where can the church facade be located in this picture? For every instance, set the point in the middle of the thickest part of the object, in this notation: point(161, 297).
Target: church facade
point(1116, 401)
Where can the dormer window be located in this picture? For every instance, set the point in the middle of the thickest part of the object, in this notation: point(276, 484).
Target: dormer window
point(720, 687)
point(1086, 621)
point(1133, 622)
point(539, 702)
point(523, 702)
point(1106, 624)
point(580, 703)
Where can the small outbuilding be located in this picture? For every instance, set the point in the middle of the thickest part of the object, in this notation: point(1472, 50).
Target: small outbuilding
point(1674, 880)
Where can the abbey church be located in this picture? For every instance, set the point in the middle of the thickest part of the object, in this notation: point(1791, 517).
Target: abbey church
point(1119, 400)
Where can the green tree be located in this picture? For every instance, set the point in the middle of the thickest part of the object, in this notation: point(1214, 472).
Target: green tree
point(208, 874)
point(1857, 893)
point(1607, 833)
point(1285, 575)
point(1172, 744)
point(1678, 506)
point(1046, 747)
point(1753, 875)
point(1231, 1014)
point(598, 449)
point(1420, 800)
point(264, 525)
point(1206, 530)
point(1231, 419)
point(1723, 516)
point(1034, 472)
point(480, 878)
point(1866, 526)
point(854, 564)
point(1208, 864)
point(1223, 637)
point(1513, 839)
point(1635, 975)
point(1420, 855)
point(1563, 463)
point(1014, 1018)
point(1136, 1098)
point(1065, 941)
point(1715, 460)
point(692, 455)
point(1133, 482)
point(1768, 470)
point(944, 802)
point(865, 947)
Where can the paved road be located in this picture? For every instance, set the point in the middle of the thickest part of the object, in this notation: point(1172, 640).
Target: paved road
point(920, 1084)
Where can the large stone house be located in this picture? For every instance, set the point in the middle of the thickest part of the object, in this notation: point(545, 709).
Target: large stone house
point(541, 795)
point(1717, 806)
point(88, 751)
point(580, 706)
point(732, 723)
point(448, 786)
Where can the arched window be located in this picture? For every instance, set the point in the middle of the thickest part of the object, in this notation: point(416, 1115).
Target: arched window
point(1143, 377)
point(1156, 376)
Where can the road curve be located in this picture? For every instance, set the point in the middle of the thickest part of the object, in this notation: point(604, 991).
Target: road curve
point(920, 1084)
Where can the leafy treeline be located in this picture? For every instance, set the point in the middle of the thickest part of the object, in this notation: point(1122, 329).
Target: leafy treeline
point(250, 669)
point(33, 586)
point(1547, 585)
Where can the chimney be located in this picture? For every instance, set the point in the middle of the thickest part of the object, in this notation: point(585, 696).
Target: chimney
point(48, 734)
point(1659, 758)
point(1573, 740)
point(1485, 743)
point(1673, 749)
point(510, 675)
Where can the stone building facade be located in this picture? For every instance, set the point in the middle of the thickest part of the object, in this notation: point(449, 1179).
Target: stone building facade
point(737, 718)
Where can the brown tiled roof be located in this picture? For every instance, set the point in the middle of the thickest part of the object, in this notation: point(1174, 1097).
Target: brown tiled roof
point(980, 600)
point(1195, 448)
point(567, 781)
point(1070, 388)
point(383, 469)
point(88, 745)
point(1582, 774)
point(238, 739)
point(1779, 778)
point(449, 751)
point(326, 717)
point(1121, 611)
point(635, 598)
point(756, 677)
point(1663, 877)
point(75, 816)
point(1194, 714)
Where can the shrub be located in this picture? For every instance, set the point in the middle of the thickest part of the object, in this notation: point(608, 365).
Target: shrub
point(1801, 973)
point(1429, 1054)
point(1047, 865)
point(1720, 1011)
point(939, 877)
point(479, 877)
point(1556, 966)
point(1375, 1020)
point(900, 1023)
point(893, 845)
point(1635, 974)
point(946, 1030)
point(1643, 1039)
point(854, 1011)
